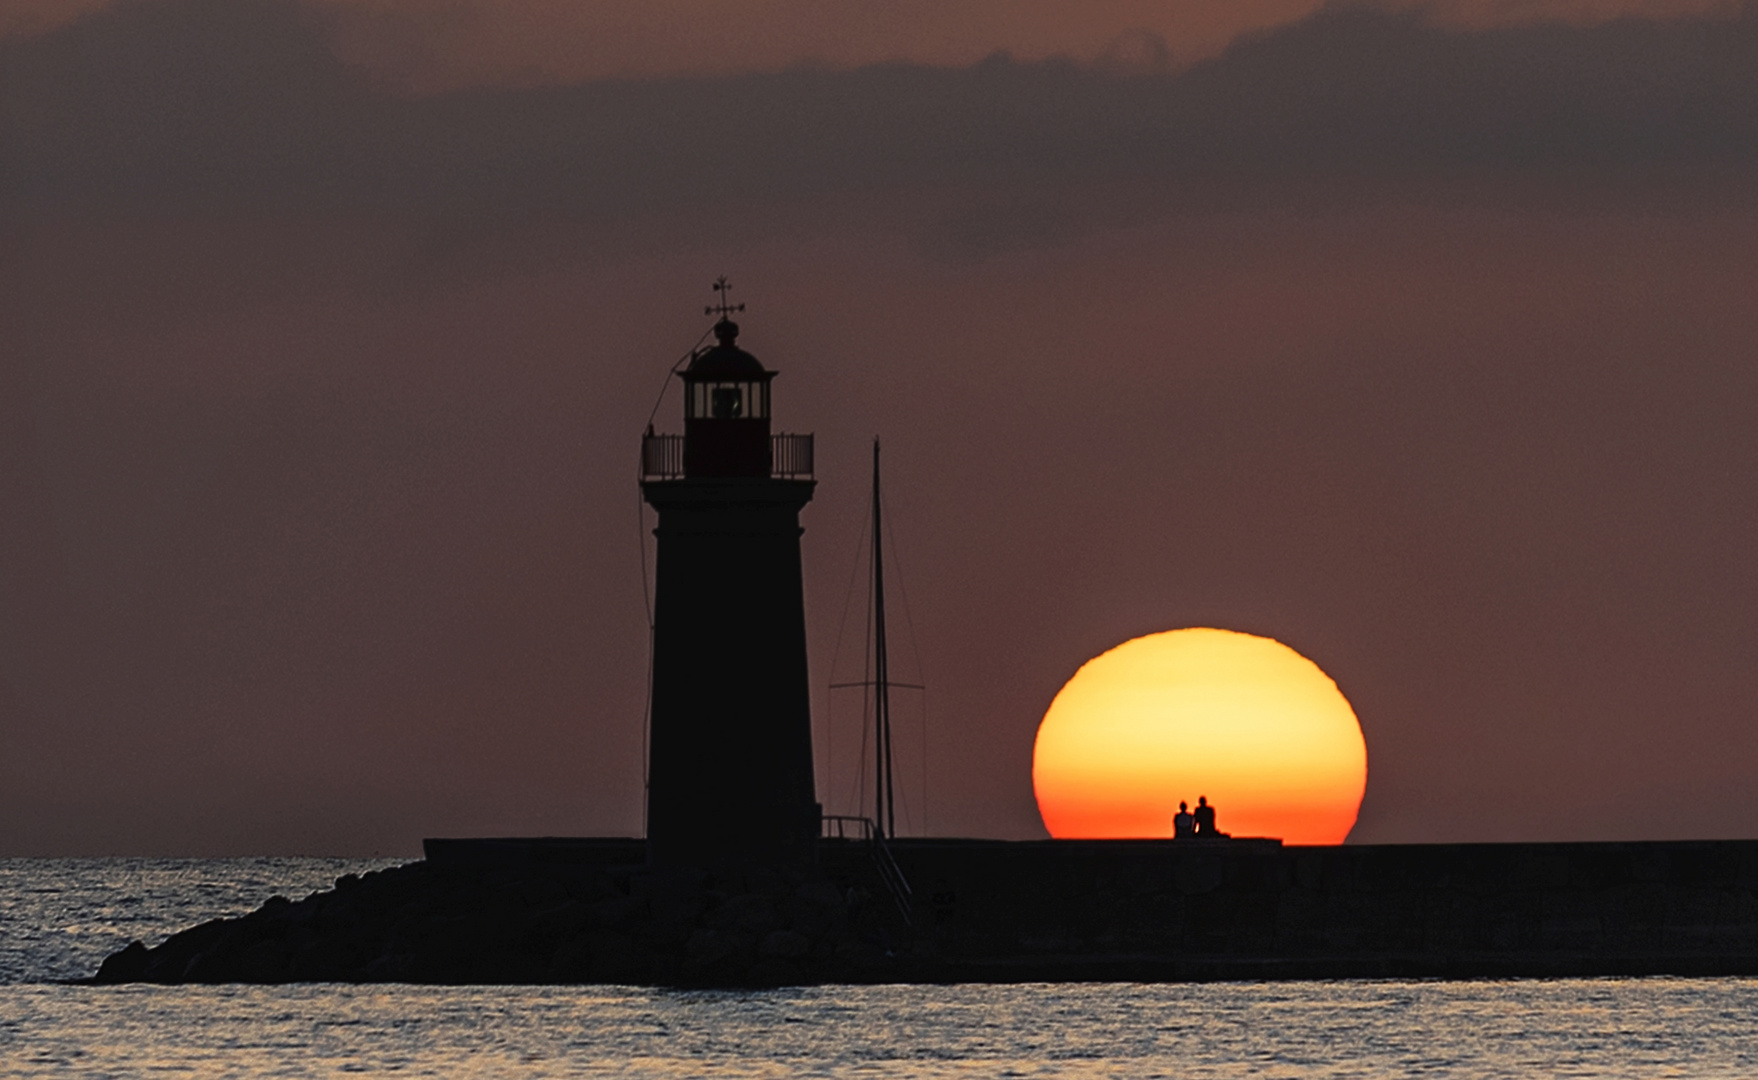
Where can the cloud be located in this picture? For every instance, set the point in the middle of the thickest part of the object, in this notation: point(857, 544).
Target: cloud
point(240, 106)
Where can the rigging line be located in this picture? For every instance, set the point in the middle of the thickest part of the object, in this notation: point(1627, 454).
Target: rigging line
point(848, 600)
point(641, 503)
point(882, 664)
point(921, 672)
point(646, 588)
point(866, 704)
point(691, 355)
point(904, 595)
point(924, 704)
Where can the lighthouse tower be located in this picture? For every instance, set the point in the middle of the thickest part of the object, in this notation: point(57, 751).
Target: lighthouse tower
point(730, 767)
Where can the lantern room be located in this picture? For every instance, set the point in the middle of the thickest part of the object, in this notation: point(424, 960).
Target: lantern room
point(726, 410)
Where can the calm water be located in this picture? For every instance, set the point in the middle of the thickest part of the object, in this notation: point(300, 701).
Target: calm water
point(58, 918)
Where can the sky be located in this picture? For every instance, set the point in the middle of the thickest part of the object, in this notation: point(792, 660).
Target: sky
point(1419, 338)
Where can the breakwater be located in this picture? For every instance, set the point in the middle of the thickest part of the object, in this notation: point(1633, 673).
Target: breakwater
point(533, 911)
point(1152, 911)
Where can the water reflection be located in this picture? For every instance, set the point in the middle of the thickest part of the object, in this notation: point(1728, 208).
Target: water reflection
point(1645, 1027)
point(59, 918)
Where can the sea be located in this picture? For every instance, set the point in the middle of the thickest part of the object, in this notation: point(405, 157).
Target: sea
point(60, 917)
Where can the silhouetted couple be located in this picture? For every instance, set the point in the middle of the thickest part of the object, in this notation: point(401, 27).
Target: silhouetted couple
point(1198, 824)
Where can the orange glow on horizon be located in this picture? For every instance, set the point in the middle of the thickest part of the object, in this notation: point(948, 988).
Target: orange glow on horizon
point(1244, 720)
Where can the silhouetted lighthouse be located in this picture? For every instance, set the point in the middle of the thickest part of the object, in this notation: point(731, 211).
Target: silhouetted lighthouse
point(730, 770)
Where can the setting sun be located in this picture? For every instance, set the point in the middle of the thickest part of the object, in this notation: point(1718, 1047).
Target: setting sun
point(1244, 720)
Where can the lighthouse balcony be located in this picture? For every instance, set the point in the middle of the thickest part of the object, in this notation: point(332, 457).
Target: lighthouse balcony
point(790, 457)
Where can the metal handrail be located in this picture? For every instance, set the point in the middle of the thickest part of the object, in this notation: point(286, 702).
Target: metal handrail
point(842, 824)
point(792, 457)
point(662, 457)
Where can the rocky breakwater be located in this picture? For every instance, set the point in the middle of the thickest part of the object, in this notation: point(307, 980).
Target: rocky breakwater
point(428, 923)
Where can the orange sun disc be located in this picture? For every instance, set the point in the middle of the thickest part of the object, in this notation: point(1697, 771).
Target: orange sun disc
point(1244, 720)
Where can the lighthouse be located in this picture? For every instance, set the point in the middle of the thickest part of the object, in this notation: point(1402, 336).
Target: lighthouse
point(730, 763)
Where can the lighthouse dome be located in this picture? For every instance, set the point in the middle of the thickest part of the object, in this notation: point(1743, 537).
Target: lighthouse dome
point(725, 360)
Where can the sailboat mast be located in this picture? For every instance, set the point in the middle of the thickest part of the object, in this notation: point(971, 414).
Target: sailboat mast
point(885, 812)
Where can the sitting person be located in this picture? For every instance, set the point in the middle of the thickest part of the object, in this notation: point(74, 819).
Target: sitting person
point(1205, 819)
point(1183, 824)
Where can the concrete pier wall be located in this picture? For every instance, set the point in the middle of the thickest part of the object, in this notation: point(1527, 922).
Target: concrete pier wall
point(1153, 909)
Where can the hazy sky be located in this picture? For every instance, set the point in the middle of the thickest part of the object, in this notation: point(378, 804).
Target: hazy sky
point(1421, 339)
point(450, 43)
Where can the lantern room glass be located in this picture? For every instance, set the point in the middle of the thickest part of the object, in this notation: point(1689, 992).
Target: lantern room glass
point(727, 400)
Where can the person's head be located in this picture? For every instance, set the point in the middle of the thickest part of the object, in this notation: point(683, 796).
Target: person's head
point(1202, 800)
point(1183, 806)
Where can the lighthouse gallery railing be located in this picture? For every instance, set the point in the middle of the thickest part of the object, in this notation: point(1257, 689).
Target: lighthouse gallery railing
point(662, 457)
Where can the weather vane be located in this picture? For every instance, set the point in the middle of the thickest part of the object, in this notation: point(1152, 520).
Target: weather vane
point(724, 309)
